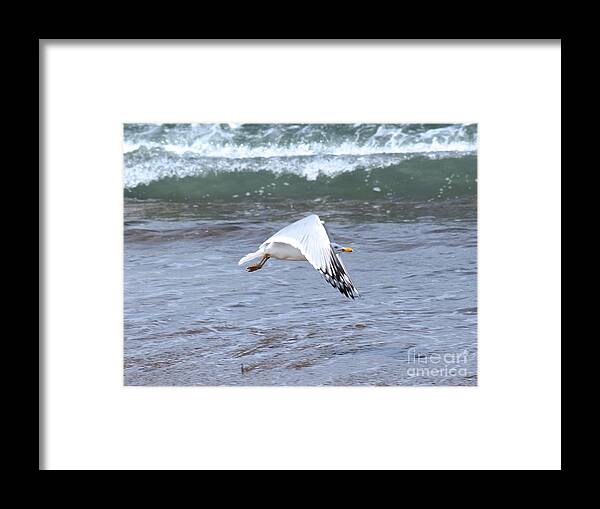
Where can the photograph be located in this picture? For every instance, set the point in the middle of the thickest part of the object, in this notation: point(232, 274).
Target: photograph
point(300, 254)
point(288, 254)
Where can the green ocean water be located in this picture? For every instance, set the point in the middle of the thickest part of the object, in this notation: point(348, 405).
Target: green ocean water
point(183, 162)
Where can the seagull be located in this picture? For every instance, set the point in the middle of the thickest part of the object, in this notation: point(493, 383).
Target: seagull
point(307, 240)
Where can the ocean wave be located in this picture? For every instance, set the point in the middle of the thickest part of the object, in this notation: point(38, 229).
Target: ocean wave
point(416, 178)
point(156, 151)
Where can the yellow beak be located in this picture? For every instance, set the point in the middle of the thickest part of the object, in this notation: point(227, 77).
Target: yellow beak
point(347, 249)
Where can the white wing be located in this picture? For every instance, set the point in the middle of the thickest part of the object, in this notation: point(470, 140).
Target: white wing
point(310, 237)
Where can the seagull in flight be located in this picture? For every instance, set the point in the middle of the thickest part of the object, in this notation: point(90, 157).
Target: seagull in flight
point(307, 240)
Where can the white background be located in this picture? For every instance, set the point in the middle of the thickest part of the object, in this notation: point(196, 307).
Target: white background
point(511, 421)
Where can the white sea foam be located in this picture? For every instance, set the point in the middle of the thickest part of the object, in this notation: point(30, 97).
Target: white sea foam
point(153, 152)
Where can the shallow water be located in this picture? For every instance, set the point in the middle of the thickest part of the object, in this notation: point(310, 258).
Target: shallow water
point(194, 317)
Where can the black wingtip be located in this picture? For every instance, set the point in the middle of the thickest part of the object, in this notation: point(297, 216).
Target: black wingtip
point(336, 276)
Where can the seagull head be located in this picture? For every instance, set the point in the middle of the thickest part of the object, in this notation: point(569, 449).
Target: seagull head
point(340, 249)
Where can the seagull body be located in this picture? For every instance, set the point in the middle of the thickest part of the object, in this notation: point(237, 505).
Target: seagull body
point(283, 251)
point(307, 240)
